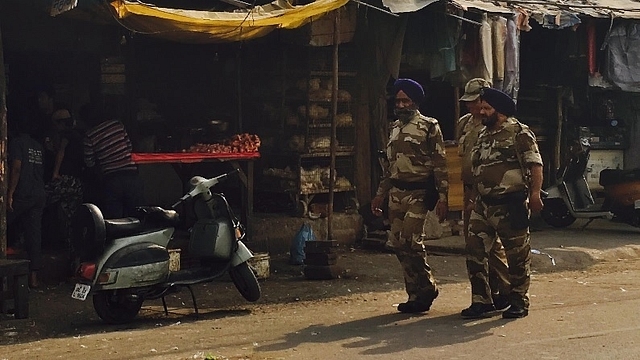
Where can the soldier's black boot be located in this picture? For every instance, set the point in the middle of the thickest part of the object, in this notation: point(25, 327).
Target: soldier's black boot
point(515, 312)
point(417, 306)
point(501, 302)
point(478, 310)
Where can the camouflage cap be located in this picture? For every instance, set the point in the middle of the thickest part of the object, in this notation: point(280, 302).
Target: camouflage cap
point(473, 87)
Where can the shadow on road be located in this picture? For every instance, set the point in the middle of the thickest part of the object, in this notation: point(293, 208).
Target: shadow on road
point(391, 333)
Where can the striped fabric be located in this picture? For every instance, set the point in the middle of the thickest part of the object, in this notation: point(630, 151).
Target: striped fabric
point(108, 146)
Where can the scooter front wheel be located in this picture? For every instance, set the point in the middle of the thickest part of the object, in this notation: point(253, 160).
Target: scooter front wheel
point(556, 213)
point(116, 307)
point(245, 281)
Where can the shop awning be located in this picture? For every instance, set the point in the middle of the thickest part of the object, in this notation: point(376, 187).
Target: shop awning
point(629, 9)
point(215, 27)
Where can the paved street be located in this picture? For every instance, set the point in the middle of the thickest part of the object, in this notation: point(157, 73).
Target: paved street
point(588, 309)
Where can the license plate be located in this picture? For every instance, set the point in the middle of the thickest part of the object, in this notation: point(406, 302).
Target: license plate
point(80, 292)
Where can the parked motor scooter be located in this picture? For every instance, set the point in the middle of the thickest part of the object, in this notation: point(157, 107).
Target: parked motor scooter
point(123, 262)
point(570, 198)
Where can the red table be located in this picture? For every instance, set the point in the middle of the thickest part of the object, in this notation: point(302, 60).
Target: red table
point(234, 160)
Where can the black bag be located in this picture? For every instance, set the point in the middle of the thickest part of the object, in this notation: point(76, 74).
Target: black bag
point(431, 195)
point(518, 215)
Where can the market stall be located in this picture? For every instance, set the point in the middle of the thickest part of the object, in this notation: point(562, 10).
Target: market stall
point(240, 151)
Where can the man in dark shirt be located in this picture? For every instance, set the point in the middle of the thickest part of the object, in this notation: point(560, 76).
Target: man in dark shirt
point(26, 196)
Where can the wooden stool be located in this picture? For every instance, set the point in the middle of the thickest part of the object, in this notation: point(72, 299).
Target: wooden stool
point(18, 272)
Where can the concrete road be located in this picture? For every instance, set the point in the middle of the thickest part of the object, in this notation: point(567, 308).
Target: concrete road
point(586, 307)
point(574, 315)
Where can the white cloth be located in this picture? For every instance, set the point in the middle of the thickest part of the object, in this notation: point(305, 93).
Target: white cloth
point(402, 6)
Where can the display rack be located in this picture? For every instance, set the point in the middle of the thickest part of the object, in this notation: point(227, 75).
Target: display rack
point(303, 162)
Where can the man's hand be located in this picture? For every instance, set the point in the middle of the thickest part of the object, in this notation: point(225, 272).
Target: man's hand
point(10, 202)
point(442, 210)
point(535, 202)
point(376, 205)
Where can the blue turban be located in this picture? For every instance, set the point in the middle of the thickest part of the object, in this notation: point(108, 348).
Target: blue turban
point(410, 87)
point(498, 100)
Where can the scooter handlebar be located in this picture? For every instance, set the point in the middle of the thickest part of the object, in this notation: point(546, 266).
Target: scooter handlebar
point(201, 185)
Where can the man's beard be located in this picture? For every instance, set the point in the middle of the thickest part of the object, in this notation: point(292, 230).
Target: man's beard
point(490, 121)
point(405, 114)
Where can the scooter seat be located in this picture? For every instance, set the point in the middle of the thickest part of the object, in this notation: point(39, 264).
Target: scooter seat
point(617, 176)
point(116, 228)
point(155, 215)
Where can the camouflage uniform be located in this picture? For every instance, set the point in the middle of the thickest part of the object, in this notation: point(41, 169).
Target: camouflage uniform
point(416, 155)
point(468, 131)
point(501, 208)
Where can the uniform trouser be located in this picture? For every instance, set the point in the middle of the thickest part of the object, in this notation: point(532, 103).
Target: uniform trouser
point(498, 269)
point(28, 213)
point(407, 214)
point(486, 224)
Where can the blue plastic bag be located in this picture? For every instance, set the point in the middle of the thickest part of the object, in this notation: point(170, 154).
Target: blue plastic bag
point(296, 252)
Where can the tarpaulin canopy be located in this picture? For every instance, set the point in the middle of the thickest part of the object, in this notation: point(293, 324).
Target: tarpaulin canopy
point(215, 27)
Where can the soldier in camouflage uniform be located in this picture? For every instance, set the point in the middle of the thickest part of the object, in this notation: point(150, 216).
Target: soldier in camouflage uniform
point(416, 182)
point(507, 180)
point(468, 129)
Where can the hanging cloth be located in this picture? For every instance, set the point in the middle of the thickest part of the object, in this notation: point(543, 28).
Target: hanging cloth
point(512, 58)
point(498, 39)
point(487, 52)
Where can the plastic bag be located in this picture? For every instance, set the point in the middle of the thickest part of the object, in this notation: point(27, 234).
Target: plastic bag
point(431, 228)
point(296, 252)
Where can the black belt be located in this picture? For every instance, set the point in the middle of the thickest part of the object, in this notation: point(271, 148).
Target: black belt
point(503, 199)
point(409, 185)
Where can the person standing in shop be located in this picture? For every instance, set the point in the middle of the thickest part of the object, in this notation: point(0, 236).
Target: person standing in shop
point(107, 147)
point(415, 183)
point(26, 196)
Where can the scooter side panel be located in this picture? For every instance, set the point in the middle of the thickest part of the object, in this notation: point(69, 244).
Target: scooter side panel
point(160, 238)
point(137, 265)
point(138, 276)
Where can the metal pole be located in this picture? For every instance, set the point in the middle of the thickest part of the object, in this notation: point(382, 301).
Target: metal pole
point(334, 113)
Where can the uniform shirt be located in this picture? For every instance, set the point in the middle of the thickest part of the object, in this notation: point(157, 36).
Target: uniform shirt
point(30, 153)
point(108, 146)
point(468, 131)
point(495, 164)
point(416, 152)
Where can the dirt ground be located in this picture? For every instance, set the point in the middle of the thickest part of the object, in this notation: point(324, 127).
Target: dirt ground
point(54, 314)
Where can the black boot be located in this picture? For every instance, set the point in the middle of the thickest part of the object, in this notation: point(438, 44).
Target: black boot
point(417, 306)
point(501, 302)
point(515, 312)
point(478, 310)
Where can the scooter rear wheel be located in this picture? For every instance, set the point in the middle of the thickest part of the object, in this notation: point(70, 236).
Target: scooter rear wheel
point(556, 213)
point(116, 307)
point(245, 281)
